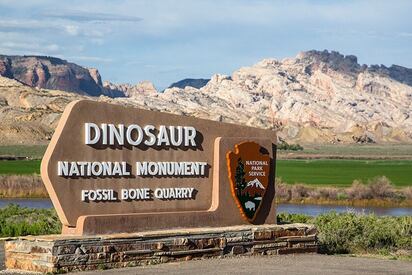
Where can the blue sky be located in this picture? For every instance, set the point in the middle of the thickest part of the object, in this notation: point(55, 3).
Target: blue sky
point(165, 41)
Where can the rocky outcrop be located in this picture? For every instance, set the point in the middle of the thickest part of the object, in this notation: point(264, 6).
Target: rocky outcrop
point(315, 97)
point(28, 115)
point(141, 88)
point(190, 82)
point(94, 73)
point(53, 73)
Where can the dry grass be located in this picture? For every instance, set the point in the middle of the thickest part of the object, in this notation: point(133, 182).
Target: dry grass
point(408, 192)
point(377, 191)
point(22, 186)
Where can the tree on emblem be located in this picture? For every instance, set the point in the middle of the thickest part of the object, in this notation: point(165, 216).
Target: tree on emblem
point(240, 177)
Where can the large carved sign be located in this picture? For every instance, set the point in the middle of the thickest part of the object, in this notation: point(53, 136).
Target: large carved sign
point(112, 169)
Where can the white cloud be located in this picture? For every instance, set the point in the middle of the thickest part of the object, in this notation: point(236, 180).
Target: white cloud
point(72, 30)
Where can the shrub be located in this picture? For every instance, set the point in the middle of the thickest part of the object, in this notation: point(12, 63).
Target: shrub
point(359, 191)
point(357, 233)
point(282, 190)
point(299, 191)
point(283, 145)
point(336, 232)
point(328, 193)
point(283, 218)
point(408, 192)
point(381, 187)
point(354, 233)
point(341, 196)
point(21, 221)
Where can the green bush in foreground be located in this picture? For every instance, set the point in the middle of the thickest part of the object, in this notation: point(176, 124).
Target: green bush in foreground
point(338, 233)
point(356, 233)
point(21, 221)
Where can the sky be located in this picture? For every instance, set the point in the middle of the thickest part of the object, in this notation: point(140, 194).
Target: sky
point(166, 41)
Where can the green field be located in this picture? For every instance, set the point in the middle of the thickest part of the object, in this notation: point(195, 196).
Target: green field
point(343, 172)
point(19, 167)
point(317, 172)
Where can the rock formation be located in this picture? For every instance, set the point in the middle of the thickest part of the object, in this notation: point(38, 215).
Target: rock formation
point(28, 115)
point(53, 73)
point(316, 97)
point(143, 88)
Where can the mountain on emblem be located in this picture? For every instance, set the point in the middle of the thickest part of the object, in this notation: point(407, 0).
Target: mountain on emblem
point(248, 168)
point(255, 183)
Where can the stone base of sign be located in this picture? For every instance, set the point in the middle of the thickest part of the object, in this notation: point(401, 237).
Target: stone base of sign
point(60, 253)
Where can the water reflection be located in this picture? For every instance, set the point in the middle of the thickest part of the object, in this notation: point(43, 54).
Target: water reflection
point(31, 203)
point(308, 209)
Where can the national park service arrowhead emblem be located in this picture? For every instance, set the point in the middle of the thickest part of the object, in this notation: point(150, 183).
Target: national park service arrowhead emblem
point(249, 169)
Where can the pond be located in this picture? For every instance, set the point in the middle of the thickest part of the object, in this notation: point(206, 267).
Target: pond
point(308, 209)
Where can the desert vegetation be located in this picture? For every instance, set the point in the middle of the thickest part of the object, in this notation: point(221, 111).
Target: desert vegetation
point(337, 233)
point(359, 234)
point(378, 191)
point(21, 221)
point(22, 186)
point(283, 145)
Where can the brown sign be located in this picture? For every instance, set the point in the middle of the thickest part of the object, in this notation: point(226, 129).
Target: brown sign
point(249, 170)
point(111, 168)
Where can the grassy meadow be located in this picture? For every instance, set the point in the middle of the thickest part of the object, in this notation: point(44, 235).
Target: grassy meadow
point(19, 167)
point(342, 173)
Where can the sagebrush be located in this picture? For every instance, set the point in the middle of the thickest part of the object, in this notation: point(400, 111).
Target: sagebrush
point(21, 221)
point(357, 233)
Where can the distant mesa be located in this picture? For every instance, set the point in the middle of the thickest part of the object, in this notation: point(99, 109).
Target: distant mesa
point(190, 82)
point(55, 74)
point(51, 73)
